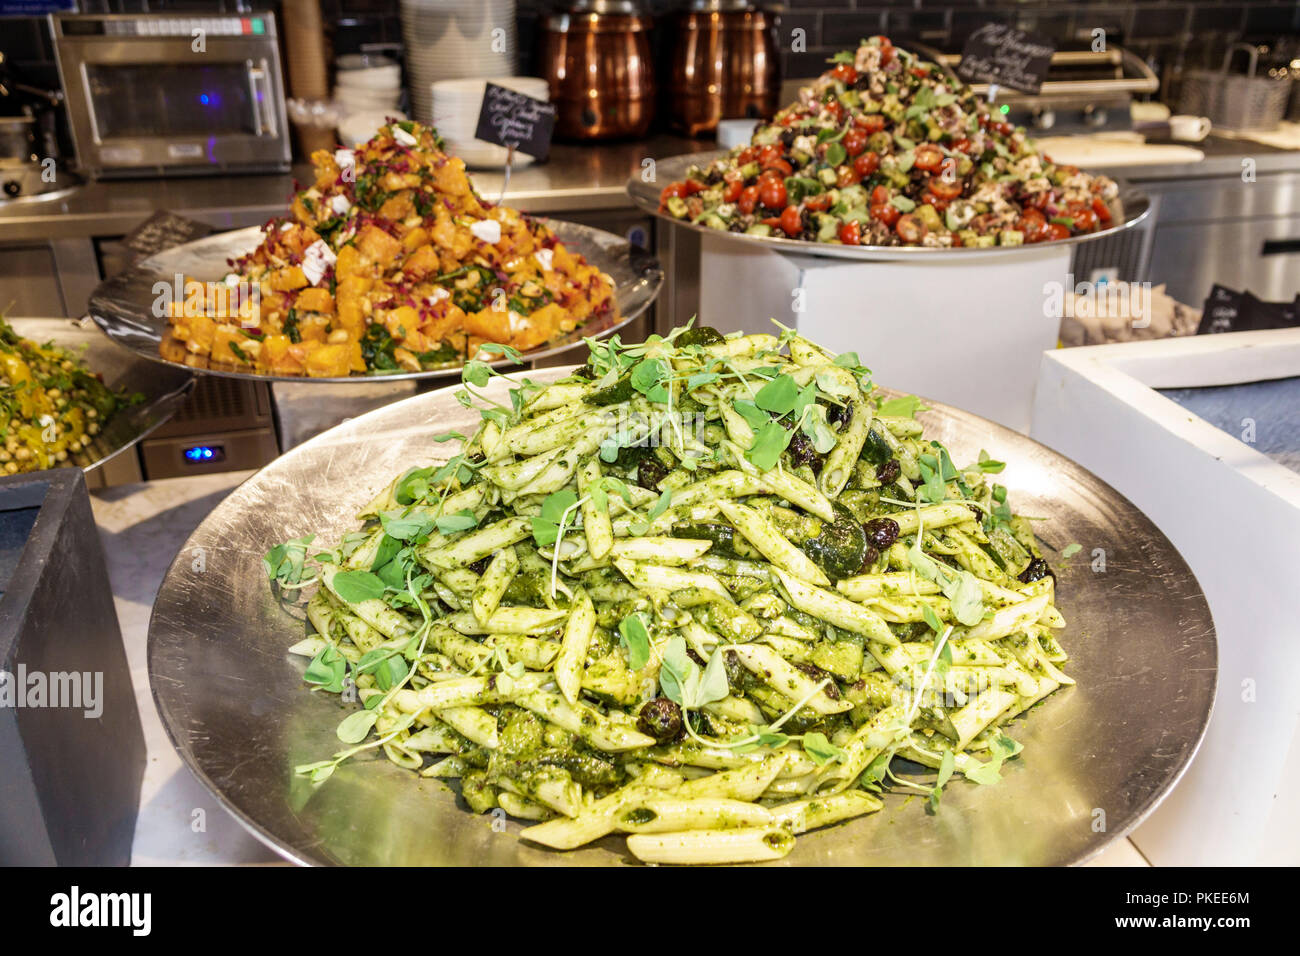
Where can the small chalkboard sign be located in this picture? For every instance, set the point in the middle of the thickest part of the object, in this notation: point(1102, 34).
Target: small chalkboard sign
point(1004, 56)
point(511, 119)
point(1227, 310)
point(162, 230)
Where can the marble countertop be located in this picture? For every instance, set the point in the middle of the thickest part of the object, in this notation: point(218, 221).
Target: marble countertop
point(142, 527)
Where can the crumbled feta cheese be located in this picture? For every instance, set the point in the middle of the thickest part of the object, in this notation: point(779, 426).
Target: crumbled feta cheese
point(316, 259)
point(286, 226)
point(437, 296)
point(345, 158)
point(517, 322)
point(489, 230)
point(340, 205)
point(402, 136)
point(232, 280)
point(805, 144)
point(545, 258)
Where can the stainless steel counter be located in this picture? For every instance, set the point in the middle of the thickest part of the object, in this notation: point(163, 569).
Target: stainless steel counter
point(574, 179)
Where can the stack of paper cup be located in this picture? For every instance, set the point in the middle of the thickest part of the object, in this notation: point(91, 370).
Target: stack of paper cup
point(456, 106)
point(454, 39)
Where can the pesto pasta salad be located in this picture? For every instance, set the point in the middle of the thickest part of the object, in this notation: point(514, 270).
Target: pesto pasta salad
point(702, 592)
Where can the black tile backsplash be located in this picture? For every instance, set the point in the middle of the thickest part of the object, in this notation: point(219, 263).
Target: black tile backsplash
point(1186, 33)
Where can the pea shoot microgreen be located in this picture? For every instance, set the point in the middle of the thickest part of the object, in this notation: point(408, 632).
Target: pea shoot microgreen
point(634, 635)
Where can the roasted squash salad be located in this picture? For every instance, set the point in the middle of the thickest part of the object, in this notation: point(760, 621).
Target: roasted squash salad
point(390, 262)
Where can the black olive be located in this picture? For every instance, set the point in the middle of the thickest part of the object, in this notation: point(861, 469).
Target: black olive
point(661, 719)
point(839, 416)
point(1037, 570)
point(869, 560)
point(888, 473)
point(863, 82)
point(802, 452)
point(713, 177)
point(977, 511)
point(481, 565)
point(787, 136)
point(696, 657)
point(881, 532)
point(700, 335)
point(649, 473)
point(831, 690)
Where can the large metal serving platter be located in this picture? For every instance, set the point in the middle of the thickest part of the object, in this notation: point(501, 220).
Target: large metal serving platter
point(123, 305)
point(1127, 209)
point(164, 389)
point(1098, 757)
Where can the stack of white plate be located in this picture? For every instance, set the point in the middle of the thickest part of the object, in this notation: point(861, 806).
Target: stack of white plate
point(365, 83)
point(454, 39)
point(456, 105)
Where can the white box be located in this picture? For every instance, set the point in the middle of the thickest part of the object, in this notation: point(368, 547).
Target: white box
point(1234, 514)
point(968, 332)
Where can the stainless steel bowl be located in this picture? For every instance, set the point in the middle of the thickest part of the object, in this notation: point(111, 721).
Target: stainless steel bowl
point(123, 306)
point(164, 389)
point(1098, 757)
point(1128, 209)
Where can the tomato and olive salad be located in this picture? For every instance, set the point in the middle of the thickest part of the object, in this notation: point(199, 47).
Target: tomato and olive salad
point(886, 149)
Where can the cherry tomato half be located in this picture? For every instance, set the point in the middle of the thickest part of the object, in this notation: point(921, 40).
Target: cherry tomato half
point(671, 191)
point(845, 74)
point(1102, 210)
point(886, 213)
point(850, 233)
point(846, 176)
point(866, 164)
point(945, 188)
point(748, 200)
point(792, 221)
point(1056, 230)
point(928, 157)
point(880, 196)
point(818, 203)
point(870, 122)
point(910, 229)
point(854, 141)
point(772, 192)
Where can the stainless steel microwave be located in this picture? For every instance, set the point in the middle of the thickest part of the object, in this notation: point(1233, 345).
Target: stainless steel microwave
point(153, 94)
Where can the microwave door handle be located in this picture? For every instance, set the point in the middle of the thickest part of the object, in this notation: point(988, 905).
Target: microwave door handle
point(259, 85)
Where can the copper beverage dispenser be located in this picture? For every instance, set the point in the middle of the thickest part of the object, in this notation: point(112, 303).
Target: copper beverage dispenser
point(725, 65)
point(596, 57)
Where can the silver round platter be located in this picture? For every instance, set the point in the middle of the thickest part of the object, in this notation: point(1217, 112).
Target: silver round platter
point(1130, 207)
point(162, 390)
point(1098, 757)
point(123, 305)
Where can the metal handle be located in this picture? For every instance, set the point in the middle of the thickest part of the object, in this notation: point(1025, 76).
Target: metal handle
point(259, 87)
point(1252, 50)
point(1280, 247)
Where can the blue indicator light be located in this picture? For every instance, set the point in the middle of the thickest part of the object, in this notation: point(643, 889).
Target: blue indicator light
point(200, 453)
